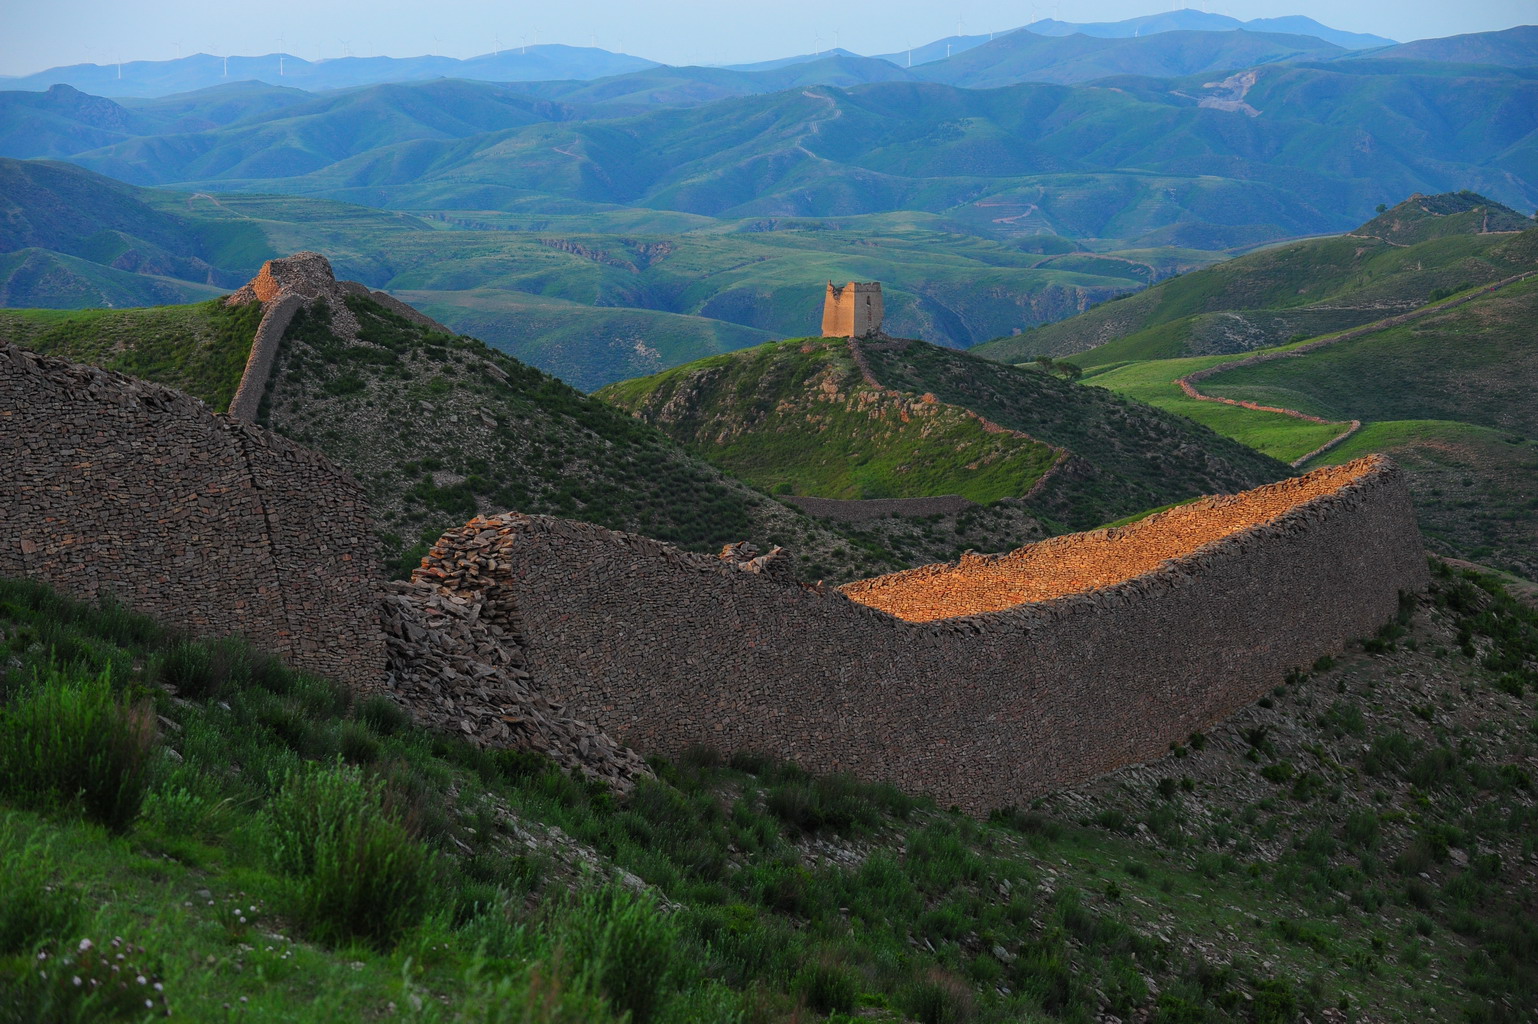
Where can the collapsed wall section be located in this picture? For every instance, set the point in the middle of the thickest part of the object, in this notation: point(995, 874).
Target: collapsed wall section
point(981, 711)
point(112, 485)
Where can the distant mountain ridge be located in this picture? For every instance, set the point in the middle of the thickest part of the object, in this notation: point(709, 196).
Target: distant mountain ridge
point(552, 62)
point(201, 70)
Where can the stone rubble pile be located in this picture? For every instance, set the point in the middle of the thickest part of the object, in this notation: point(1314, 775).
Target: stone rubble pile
point(456, 666)
point(744, 556)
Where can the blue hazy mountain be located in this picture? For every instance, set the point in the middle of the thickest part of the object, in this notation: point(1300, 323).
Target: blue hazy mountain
point(201, 70)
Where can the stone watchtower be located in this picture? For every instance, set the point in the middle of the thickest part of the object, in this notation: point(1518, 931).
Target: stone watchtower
point(852, 311)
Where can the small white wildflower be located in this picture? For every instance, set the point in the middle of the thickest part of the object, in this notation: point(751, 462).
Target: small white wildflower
point(42, 954)
point(85, 944)
point(149, 1004)
point(141, 979)
point(159, 987)
point(242, 920)
point(76, 980)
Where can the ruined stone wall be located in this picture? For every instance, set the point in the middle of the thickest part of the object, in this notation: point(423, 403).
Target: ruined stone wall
point(111, 485)
point(662, 648)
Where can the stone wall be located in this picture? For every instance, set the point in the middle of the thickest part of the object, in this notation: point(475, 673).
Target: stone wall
point(111, 485)
point(662, 648)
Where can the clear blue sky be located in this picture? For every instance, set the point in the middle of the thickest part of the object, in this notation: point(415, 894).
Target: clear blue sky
point(38, 34)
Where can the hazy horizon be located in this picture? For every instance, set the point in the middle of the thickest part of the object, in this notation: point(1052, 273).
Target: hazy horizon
point(71, 32)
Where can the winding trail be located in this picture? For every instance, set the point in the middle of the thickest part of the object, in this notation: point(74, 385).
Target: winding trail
point(1187, 383)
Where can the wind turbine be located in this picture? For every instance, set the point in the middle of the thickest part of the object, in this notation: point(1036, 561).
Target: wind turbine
point(496, 42)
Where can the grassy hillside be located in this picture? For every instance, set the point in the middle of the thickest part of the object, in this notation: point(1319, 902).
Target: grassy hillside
point(199, 349)
point(1447, 393)
point(1476, 363)
point(270, 847)
point(1274, 434)
point(796, 417)
point(1423, 248)
point(39, 277)
point(1131, 456)
point(439, 429)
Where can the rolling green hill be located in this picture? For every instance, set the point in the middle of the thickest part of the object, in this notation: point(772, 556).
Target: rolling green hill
point(1476, 363)
point(41, 277)
point(798, 417)
point(592, 307)
point(1423, 247)
point(1450, 395)
point(1444, 386)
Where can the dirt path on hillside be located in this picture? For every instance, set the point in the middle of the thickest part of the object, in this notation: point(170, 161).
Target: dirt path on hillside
point(1187, 383)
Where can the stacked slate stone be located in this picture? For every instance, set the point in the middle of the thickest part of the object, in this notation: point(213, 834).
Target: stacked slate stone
point(455, 666)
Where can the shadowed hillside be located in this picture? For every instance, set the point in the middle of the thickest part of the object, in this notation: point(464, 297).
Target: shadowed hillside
point(798, 417)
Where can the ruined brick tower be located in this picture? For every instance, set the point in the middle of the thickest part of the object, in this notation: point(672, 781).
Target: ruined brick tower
point(852, 311)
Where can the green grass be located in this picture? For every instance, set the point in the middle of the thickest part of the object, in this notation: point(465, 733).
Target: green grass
point(1281, 437)
point(1425, 370)
point(200, 349)
point(929, 916)
point(796, 416)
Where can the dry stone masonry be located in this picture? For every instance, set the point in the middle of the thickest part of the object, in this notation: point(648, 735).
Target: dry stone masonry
point(457, 665)
point(111, 485)
point(662, 648)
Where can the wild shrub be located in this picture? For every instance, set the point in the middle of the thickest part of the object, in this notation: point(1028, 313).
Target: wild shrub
point(827, 986)
point(199, 670)
point(356, 873)
point(67, 740)
point(624, 946)
point(383, 715)
point(939, 998)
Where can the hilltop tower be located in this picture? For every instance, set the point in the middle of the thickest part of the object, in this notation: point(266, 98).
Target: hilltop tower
point(852, 311)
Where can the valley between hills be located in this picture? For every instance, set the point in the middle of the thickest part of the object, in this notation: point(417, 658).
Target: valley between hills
point(1125, 266)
